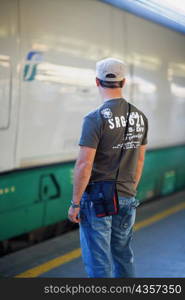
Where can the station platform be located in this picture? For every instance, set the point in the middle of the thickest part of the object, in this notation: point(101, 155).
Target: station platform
point(158, 244)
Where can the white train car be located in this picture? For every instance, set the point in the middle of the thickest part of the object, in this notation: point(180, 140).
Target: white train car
point(48, 51)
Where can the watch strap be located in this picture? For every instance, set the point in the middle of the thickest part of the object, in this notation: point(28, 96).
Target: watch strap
point(73, 205)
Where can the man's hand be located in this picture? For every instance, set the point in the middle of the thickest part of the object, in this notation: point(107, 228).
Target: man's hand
point(73, 214)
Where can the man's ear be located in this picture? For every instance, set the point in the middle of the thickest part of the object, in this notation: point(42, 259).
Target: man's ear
point(97, 81)
point(123, 81)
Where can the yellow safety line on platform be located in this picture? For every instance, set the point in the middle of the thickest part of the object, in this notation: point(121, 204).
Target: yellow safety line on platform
point(159, 216)
point(56, 262)
point(51, 264)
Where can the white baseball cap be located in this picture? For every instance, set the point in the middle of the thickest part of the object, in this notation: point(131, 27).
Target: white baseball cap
point(110, 69)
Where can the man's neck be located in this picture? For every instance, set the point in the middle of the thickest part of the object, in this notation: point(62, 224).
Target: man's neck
point(111, 98)
point(111, 94)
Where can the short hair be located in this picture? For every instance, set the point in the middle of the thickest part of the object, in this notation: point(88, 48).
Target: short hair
point(111, 84)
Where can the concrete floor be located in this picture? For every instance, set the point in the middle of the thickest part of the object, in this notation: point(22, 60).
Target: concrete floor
point(159, 247)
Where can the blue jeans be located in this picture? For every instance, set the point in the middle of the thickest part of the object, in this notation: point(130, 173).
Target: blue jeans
point(106, 242)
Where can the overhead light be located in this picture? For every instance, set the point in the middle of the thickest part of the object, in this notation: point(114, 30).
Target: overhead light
point(177, 6)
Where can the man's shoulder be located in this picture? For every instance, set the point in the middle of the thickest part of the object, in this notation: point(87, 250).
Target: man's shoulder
point(135, 109)
point(92, 114)
point(95, 113)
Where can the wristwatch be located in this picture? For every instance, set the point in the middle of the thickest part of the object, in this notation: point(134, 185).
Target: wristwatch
point(73, 205)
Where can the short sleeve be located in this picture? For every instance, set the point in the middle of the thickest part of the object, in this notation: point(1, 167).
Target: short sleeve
point(90, 134)
point(145, 136)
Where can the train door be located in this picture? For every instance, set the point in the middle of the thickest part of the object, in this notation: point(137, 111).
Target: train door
point(8, 82)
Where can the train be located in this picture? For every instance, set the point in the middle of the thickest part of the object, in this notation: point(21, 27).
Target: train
point(48, 52)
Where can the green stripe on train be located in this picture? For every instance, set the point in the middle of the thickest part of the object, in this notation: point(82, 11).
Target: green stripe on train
point(37, 197)
point(164, 172)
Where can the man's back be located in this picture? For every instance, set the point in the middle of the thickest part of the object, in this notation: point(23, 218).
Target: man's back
point(103, 129)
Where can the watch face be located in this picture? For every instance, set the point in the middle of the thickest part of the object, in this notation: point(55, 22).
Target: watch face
point(75, 205)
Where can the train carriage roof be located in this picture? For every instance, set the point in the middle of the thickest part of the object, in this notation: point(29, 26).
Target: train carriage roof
point(153, 10)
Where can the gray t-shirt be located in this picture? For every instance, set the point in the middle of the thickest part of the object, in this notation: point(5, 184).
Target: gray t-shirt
point(103, 129)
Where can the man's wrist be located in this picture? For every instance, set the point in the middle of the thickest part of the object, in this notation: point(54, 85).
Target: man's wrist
point(75, 204)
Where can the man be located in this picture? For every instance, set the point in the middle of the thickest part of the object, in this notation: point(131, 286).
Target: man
point(106, 241)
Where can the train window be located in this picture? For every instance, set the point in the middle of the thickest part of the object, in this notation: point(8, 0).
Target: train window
point(5, 93)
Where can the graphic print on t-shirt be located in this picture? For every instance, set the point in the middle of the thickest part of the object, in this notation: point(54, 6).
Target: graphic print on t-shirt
point(135, 129)
point(107, 113)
